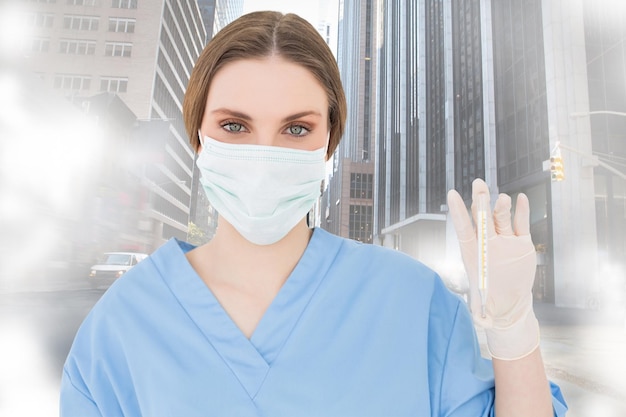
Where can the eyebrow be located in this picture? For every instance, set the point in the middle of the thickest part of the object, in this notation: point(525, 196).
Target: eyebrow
point(246, 117)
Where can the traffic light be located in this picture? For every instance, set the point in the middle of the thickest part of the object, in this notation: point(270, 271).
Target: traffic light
point(556, 167)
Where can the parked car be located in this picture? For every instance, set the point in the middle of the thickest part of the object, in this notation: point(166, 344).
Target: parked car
point(113, 265)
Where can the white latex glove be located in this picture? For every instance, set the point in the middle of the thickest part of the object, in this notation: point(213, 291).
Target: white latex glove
point(510, 324)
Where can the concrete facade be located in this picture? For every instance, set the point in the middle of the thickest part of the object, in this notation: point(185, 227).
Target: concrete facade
point(142, 51)
point(349, 198)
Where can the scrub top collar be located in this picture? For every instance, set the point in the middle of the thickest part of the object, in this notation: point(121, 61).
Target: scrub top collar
point(249, 359)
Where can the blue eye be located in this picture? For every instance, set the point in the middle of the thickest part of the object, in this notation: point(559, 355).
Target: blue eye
point(233, 127)
point(297, 130)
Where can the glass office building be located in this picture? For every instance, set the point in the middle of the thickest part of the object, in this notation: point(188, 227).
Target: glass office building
point(491, 89)
point(435, 121)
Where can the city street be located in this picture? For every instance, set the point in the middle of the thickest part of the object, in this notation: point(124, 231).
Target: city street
point(583, 351)
point(37, 328)
point(584, 354)
point(376, 111)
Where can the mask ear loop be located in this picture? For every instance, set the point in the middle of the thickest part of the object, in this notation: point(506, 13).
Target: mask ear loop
point(309, 222)
point(326, 146)
point(200, 139)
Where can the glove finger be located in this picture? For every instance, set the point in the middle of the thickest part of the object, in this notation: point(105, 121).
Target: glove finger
point(460, 217)
point(480, 190)
point(521, 221)
point(502, 215)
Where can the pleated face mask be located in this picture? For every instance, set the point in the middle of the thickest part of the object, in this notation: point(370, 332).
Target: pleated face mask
point(262, 191)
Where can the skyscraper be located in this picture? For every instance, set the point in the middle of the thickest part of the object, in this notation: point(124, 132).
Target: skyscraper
point(415, 125)
point(207, 10)
point(560, 87)
point(216, 14)
point(348, 201)
point(605, 51)
point(142, 51)
point(225, 12)
point(486, 89)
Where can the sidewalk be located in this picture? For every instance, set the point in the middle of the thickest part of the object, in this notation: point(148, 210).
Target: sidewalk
point(53, 280)
point(587, 349)
point(585, 354)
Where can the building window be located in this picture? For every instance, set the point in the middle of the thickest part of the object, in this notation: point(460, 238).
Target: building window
point(81, 22)
point(360, 226)
point(40, 20)
point(117, 24)
point(72, 82)
point(361, 185)
point(114, 84)
point(124, 4)
point(38, 45)
point(118, 49)
point(82, 2)
point(77, 47)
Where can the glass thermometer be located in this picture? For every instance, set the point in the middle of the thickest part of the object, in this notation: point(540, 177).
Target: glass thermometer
point(481, 231)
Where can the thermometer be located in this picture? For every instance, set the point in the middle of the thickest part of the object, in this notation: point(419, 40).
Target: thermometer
point(481, 232)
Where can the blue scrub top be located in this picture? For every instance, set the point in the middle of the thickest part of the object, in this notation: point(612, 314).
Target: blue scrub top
point(356, 330)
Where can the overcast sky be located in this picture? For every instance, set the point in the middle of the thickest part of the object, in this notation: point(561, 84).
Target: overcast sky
point(308, 9)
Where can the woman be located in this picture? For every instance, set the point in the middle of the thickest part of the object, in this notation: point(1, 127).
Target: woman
point(271, 318)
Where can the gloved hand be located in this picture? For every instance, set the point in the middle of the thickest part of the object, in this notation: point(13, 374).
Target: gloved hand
point(510, 324)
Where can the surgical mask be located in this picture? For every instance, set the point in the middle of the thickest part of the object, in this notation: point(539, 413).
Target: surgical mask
point(262, 191)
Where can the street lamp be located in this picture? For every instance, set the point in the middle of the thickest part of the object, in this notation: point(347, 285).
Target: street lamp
point(595, 159)
point(556, 164)
point(590, 113)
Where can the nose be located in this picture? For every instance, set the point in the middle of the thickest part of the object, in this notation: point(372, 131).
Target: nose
point(266, 139)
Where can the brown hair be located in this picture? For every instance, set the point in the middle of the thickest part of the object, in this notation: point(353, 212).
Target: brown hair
point(258, 35)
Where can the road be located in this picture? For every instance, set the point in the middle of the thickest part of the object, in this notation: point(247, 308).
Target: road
point(583, 352)
point(37, 329)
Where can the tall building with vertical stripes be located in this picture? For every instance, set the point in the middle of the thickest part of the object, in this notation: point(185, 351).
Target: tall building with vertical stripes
point(348, 202)
point(225, 12)
point(215, 14)
point(559, 88)
point(486, 89)
point(142, 51)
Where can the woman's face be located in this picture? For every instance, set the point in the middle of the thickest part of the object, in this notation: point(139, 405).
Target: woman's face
point(269, 101)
